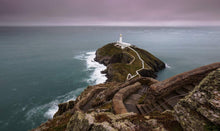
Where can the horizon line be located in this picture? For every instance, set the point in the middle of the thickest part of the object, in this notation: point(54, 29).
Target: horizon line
point(94, 25)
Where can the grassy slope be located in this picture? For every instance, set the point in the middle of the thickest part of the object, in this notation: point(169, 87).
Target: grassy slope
point(121, 70)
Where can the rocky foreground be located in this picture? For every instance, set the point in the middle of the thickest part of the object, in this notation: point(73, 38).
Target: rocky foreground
point(188, 101)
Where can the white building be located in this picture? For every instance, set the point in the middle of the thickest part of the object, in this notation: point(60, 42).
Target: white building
point(122, 44)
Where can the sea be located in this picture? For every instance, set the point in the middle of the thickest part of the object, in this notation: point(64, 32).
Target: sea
point(41, 67)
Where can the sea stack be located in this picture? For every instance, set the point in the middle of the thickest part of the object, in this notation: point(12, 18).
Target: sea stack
point(125, 61)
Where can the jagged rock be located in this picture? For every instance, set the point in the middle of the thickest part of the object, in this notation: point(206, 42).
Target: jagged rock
point(147, 73)
point(63, 107)
point(99, 122)
point(186, 79)
point(200, 109)
point(79, 122)
point(110, 122)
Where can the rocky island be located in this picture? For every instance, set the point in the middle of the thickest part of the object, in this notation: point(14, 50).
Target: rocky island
point(131, 99)
point(121, 62)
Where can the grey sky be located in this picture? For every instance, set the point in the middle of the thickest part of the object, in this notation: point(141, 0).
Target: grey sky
point(109, 12)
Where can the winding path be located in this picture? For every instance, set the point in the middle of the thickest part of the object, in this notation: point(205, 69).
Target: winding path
point(129, 76)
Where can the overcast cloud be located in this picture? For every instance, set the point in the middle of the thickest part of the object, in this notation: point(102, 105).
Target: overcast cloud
point(109, 12)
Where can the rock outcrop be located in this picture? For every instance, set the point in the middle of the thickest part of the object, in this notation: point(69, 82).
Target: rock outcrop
point(187, 80)
point(192, 77)
point(164, 95)
point(63, 107)
point(122, 62)
point(106, 121)
point(200, 110)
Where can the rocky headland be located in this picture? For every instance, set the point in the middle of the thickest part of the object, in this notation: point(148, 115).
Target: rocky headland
point(131, 99)
point(121, 62)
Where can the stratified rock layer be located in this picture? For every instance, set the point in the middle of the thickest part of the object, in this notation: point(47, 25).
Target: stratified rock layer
point(200, 110)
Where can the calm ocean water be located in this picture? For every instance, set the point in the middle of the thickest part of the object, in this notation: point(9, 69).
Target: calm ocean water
point(43, 66)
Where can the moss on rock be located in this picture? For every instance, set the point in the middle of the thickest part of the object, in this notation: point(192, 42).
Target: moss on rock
point(197, 110)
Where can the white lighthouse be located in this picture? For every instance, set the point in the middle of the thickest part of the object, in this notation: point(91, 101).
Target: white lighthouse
point(122, 44)
point(120, 38)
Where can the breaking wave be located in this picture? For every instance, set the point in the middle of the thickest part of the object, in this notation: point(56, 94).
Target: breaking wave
point(95, 77)
point(167, 66)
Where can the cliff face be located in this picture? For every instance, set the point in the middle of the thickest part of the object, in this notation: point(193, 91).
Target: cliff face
point(103, 107)
point(142, 103)
point(201, 108)
point(122, 62)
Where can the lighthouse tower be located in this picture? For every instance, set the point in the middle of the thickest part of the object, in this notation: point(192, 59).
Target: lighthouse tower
point(120, 38)
point(121, 44)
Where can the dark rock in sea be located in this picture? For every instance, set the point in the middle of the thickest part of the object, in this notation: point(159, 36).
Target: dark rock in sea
point(147, 73)
point(104, 71)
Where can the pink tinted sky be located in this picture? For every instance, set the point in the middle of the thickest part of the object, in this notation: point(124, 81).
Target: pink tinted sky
point(110, 12)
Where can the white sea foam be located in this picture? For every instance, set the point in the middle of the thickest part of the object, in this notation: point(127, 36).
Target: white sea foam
point(96, 77)
point(52, 110)
point(49, 109)
point(167, 66)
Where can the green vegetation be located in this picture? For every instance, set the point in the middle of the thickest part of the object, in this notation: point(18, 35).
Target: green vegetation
point(59, 123)
point(120, 70)
point(141, 99)
point(211, 127)
point(109, 50)
point(101, 118)
point(106, 106)
point(150, 59)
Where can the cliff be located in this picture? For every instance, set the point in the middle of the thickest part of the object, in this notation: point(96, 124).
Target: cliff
point(183, 102)
point(201, 108)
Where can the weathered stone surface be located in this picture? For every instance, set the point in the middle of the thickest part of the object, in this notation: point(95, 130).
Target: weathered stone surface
point(57, 123)
point(110, 122)
point(119, 97)
point(78, 122)
point(200, 109)
point(88, 97)
point(189, 78)
point(63, 107)
point(100, 122)
point(114, 87)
